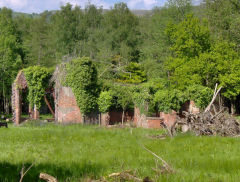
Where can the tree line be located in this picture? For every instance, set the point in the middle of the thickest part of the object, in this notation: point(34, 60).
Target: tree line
point(173, 52)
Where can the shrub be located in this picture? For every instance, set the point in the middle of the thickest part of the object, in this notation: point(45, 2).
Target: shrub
point(105, 101)
point(167, 100)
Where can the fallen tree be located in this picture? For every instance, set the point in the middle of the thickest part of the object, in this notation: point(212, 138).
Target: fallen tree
point(206, 123)
point(214, 120)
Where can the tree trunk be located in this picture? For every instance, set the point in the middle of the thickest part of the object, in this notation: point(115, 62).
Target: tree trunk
point(49, 106)
point(232, 107)
point(123, 116)
point(47, 177)
point(6, 106)
point(4, 97)
point(213, 98)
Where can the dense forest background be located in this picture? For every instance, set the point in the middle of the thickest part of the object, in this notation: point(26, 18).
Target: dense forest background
point(169, 49)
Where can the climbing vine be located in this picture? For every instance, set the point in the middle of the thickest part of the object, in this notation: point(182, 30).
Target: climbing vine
point(82, 78)
point(37, 79)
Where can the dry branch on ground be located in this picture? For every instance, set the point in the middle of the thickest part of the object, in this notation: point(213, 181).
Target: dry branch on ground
point(206, 123)
point(213, 121)
point(47, 177)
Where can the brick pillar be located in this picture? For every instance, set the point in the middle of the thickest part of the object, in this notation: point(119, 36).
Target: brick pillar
point(105, 118)
point(35, 113)
point(30, 112)
point(136, 116)
point(139, 118)
point(18, 108)
point(169, 118)
point(193, 108)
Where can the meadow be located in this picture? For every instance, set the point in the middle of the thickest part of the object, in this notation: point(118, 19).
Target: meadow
point(76, 152)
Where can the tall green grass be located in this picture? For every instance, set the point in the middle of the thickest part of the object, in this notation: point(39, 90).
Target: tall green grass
point(74, 152)
point(238, 118)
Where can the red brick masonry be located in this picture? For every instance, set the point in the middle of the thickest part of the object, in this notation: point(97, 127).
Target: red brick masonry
point(169, 118)
point(66, 109)
point(19, 84)
point(154, 122)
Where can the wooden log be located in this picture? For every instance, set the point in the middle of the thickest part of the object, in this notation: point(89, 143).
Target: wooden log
point(165, 164)
point(213, 99)
point(126, 176)
point(49, 106)
point(22, 173)
point(47, 177)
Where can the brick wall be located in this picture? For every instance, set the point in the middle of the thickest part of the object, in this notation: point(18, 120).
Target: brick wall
point(169, 118)
point(154, 122)
point(19, 84)
point(105, 118)
point(66, 109)
point(140, 120)
point(193, 108)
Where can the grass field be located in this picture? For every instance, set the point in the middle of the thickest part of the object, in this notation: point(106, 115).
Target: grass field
point(75, 152)
point(238, 118)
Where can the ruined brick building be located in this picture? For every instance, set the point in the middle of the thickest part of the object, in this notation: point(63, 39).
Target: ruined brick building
point(67, 110)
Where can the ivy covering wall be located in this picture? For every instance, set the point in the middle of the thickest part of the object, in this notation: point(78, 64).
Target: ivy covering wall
point(38, 81)
point(82, 78)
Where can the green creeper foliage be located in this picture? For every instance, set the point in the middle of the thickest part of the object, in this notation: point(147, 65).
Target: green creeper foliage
point(168, 100)
point(82, 78)
point(105, 101)
point(38, 80)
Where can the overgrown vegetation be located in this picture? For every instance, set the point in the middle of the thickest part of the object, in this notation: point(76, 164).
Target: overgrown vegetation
point(38, 81)
point(82, 78)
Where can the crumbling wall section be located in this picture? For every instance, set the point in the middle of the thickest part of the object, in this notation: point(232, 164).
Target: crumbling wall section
point(66, 108)
point(141, 120)
point(169, 118)
point(105, 119)
point(154, 122)
point(193, 108)
point(19, 84)
point(16, 104)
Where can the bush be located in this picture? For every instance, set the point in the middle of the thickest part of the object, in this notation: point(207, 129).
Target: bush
point(105, 101)
point(168, 100)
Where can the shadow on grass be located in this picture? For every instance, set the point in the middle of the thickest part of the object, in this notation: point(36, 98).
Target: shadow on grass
point(11, 173)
